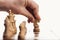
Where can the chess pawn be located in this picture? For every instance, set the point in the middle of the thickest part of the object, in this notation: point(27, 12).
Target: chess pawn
point(23, 31)
point(10, 27)
point(36, 27)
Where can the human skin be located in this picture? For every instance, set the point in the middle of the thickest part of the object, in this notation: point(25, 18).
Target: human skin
point(27, 8)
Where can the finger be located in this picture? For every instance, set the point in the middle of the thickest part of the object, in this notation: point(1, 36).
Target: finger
point(35, 7)
point(23, 11)
point(31, 11)
point(4, 6)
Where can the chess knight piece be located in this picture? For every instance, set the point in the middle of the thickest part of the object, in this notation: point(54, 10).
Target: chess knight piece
point(23, 31)
point(10, 27)
point(36, 27)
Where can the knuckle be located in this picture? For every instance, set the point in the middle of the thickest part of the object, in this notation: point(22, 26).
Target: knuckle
point(37, 6)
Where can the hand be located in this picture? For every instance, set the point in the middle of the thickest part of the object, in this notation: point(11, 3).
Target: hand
point(27, 8)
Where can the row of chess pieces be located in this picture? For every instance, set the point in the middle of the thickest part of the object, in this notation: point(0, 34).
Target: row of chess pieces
point(10, 28)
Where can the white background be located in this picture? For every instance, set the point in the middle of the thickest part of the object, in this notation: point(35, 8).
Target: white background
point(49, 11)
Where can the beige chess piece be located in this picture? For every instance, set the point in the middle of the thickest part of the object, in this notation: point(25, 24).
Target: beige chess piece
point(23, 31)
point(36, 27)
point(10, 27)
